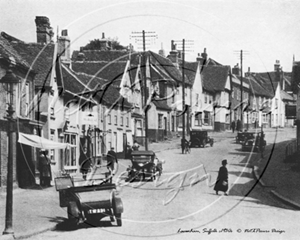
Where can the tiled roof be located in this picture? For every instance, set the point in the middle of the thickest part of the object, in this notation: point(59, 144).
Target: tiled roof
point(111, 71)
point(100, 55)
point(7, 50)
point(167, 65)
point(256, 88)
point(103, 90)
point(214, 77)
point(190, 69)
point(268, 80)
point(213, 62)
point(38, 56)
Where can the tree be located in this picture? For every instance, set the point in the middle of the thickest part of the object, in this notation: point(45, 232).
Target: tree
point(97, 44)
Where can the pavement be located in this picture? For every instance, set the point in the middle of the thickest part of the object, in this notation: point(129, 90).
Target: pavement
point(37, 210)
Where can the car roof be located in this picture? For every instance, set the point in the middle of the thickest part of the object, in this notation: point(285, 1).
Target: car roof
point(142, 153)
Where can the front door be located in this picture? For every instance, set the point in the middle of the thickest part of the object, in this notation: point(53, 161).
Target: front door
point(25, 166)
point(166, 126)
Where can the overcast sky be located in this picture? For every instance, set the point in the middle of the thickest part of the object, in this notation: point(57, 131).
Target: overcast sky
point(266, 30)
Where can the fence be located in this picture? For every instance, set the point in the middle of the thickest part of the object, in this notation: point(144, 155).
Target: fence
point(291, 148)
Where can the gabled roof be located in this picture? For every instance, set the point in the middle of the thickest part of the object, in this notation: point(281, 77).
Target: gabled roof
point(167, 65)
point(39, 57)
point(267, 80)
point(256, 88)
point(213, 62)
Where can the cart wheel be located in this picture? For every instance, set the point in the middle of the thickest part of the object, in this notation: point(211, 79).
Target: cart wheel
point(73, 213)
point(118, 217)
point(144, 176)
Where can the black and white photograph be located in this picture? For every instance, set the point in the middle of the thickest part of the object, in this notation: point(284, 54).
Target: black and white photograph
point(149, 119)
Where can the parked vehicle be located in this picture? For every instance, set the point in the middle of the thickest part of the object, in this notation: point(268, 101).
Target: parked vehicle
point(145, 164)
point(253, 144)
point(243, 136)
point(200, 139)
point(89, 203)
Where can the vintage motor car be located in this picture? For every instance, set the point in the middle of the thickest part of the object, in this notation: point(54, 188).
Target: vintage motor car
point(89, 203)
point(144, 164)
point(200, 139)
point(242, 136)
point(253, 144)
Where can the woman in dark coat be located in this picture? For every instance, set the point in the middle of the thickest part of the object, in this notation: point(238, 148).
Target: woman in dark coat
point(222, 180)
point(45, 169)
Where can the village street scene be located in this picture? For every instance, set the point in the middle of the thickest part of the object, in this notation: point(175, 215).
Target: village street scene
point(159, 134)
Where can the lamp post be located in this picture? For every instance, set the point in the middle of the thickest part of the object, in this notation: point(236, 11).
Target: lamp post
point(8, 82)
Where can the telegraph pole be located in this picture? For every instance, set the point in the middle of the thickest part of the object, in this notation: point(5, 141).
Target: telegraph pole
point(241, 56)
point(184, 107)
point(242, 110)
point(144, 78)
point(183, 91)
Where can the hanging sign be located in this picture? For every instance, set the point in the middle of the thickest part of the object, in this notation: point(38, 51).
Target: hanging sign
point(89, 118)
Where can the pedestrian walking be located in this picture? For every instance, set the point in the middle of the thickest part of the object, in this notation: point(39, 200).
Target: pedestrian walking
point(188, 147)
point(112, 160)
point(85, 163)
point(262, 144)
point(128, 151)
point(222, 179)
point(183, 145)
point(233, 126)
point(45, 169)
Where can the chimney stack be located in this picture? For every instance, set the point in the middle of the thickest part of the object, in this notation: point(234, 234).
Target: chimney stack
point(277, 65)
point(204, 54)
point(64, 47)
point(173, 56)
point(202, 58)
point(236, 70)
point(43, 30)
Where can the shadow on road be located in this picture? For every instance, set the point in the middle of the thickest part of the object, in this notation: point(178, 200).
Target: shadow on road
point(64, 225)
point(247, 185)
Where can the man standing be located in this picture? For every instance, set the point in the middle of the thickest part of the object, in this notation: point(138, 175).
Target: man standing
point(112, 160)
point(45, 169)
point(183, 144)
point(262, 144)
point(233, 126)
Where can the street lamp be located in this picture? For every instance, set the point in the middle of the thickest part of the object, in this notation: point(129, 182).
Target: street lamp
point(8, 83)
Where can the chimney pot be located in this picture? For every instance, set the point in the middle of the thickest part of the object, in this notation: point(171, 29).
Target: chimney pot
point(64, 32)
point(103, 35)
